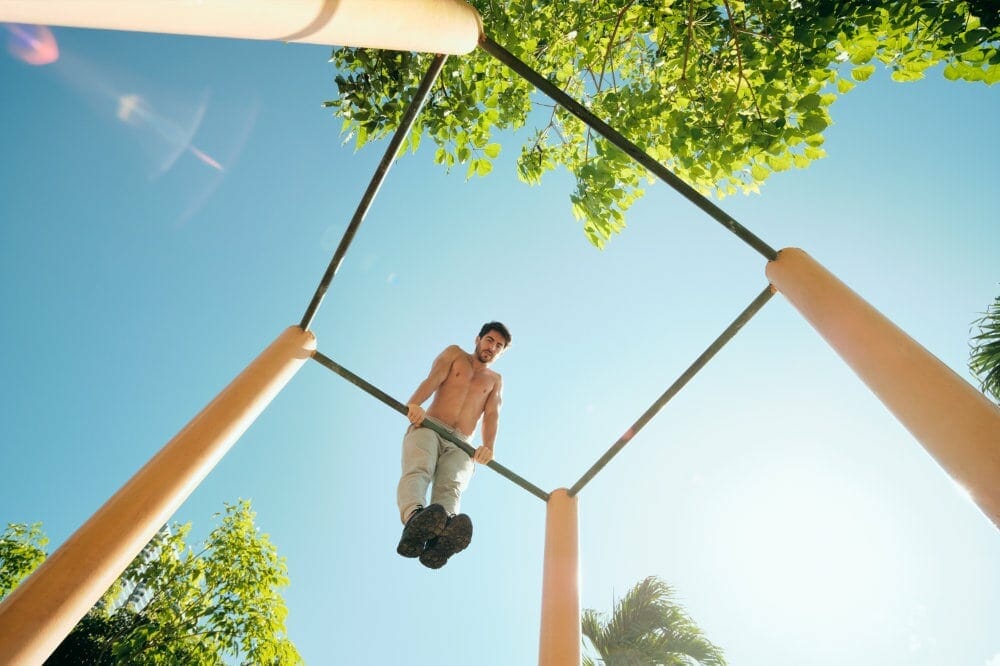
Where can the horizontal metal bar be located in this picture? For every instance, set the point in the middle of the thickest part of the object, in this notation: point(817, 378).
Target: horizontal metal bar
point(698, 364)
point(428, 26)
point(373, 390)
point(632, 150)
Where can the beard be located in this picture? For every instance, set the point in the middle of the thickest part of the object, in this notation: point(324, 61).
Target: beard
point(484, 356)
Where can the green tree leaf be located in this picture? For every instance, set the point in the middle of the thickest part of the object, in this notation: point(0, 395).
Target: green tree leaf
point(992, 75)
point(862, 73)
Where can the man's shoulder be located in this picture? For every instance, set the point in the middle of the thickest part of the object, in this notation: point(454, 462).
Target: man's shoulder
point(451, 353)
point(497, 384)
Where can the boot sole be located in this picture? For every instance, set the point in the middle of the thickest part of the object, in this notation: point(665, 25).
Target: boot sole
point(426, 525)
point(456, 537)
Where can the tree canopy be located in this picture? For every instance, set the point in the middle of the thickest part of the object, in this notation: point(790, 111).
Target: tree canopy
point(22, 549)
point(219, 604)
point(722, 92)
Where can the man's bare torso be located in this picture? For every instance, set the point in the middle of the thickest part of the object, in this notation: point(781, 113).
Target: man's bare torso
point(461, 399)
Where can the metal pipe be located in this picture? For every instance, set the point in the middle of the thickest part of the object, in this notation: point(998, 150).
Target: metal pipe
point(560, 642)
point(632, 150)
point(373, 390)
point(675, 388)
point(42, 611)
point(432, 26)
point(373, 187)
point(953, 421)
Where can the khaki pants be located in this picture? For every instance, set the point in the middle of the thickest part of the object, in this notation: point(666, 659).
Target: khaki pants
point(427, 458)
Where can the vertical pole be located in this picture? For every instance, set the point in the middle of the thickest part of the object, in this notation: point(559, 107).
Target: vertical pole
point(36, 617)
point(560, 643)
point(953, 421)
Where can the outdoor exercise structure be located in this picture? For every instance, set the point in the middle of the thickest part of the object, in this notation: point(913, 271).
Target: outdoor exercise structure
point(954, 422)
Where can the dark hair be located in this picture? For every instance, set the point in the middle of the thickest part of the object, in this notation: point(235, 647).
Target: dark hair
point(498, 327)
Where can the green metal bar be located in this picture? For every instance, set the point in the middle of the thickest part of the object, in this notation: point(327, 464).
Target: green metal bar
point(373, 390)
point(632, 150)
point(688, 374)
point(373, 187)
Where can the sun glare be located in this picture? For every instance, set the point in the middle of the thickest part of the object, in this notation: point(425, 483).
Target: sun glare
point(808, 547)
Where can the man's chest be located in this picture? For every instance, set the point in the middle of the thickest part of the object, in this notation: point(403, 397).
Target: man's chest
point(463, 377)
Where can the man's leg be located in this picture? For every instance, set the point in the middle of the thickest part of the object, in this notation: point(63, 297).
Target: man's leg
point(420, 457)
point(451, 478)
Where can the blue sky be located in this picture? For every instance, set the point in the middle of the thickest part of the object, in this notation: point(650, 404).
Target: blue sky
point(797, 520)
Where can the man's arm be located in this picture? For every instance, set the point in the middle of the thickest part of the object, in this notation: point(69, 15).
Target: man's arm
point(491, 423)
point(439, 373)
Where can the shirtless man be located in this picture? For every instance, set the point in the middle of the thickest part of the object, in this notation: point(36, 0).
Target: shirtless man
point(464, 390)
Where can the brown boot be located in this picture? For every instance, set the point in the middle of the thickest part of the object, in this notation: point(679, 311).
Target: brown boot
point(423, 525)
point(454, 538)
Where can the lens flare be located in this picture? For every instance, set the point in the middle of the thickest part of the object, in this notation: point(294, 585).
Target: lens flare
point(32, 44)
point(162, 123)
point(204, 158)
point(136, 111)
point(127, 105)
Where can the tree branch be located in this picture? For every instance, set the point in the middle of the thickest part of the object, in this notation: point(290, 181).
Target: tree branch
point(741, 75)
point(611, 42)
point(689, 41)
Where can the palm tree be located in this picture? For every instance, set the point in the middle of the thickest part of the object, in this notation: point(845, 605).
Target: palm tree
point(648, 628)
point(984, 357)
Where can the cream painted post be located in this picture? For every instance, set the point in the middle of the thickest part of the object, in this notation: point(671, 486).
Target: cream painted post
point(44, 609)
point(957, 425)
point(560, 643)
point(435, 26)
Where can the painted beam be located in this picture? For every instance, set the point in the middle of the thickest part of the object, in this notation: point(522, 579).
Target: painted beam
point(434, 26)
point(42, 611)
point(561, 640)
point(957, 425)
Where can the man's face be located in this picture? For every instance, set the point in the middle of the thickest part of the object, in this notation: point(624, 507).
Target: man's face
point(489, 347)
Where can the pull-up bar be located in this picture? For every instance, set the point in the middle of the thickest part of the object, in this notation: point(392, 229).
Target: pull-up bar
point(688, 374)
point(374, 391)
point(632, 150)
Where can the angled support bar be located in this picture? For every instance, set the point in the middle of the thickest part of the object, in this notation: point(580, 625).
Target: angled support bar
point(40, 613)
point(374, 391)
point(675, 388)
point(953, 421)
point(632, 150)
point(373, 187)
point(432, 26)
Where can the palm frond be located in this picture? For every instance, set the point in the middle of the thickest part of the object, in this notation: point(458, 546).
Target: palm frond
point(592, 626)
point(637, 614)
point(984, 355)
point(647, 627)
